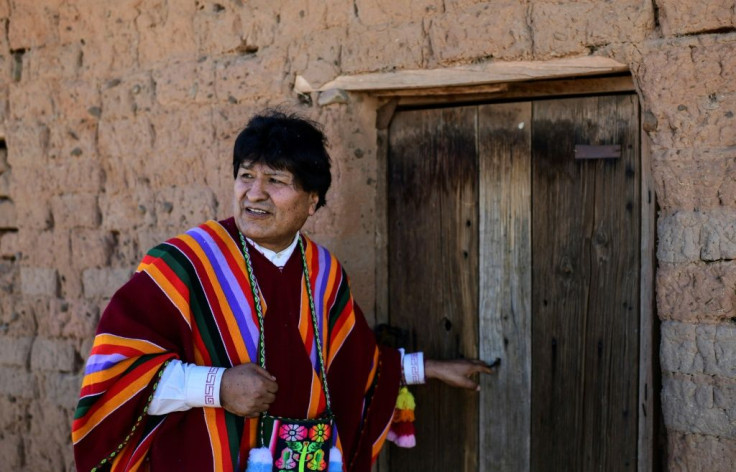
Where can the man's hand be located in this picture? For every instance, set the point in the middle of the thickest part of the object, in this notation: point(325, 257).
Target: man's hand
point(456, 373)
point(247, 390)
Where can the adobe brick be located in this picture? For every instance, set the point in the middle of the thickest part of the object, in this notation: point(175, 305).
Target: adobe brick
point(71, 319)
point(33, 214)
point(75, 211)
point(103, 282)
point(699, 404)
point(70, 279)
point(185, 82)
point(194, 131)
point(91, 248)
point(693, 179)
point(47, 441)
point(127, 96)
point(689, 452)
point(18, 315)
point(160, 22)
point(33, 24)
point(4, 184)
point(32, 101)
point(38, 281)
point(82, 321)
point(680, 17)
point(573, 28)
point(76, 97)
point(18, 382)
point(11, 450)
point(692, 236)
point(218, 30)
point(52, 355)
point(185, 207)
point(237, 78)
point(317, 56)
point(367, 48)
point(117, 141)
point(13, 416)
point(54, 61)
point(62, 389)
point(9, 245)
point(8, 217)
point(701, 115)
point(372, 12)
point(124, 211)
point(27, 145)
point(15, 351)
point(497, 29)
point(699, 348)
point(697, 292)
point(82, 174)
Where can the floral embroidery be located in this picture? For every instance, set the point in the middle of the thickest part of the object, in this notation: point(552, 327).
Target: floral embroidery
point(316, 461)
point(319, 432)
point(286, 461)
point(292, 432)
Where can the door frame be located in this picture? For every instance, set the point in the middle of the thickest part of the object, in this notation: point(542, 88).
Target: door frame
point(387, 103)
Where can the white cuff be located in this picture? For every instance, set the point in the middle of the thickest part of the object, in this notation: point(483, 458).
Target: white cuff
point(185, 386)
point(203, 386)
point(412, 367)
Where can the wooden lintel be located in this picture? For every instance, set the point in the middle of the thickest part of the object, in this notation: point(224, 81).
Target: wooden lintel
point(433, 91)
point(532, 89)
point(476, 74)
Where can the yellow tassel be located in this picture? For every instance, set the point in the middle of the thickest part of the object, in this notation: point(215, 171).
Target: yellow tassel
point(405, 401)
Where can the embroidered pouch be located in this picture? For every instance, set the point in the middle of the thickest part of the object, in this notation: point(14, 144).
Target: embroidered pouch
point(297, 444)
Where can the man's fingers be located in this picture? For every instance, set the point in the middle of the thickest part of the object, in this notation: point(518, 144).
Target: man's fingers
point(269, 380)
point(263, 372)
point(465, 382)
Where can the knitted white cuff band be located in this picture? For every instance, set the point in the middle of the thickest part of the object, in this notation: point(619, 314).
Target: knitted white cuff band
point(413, 367)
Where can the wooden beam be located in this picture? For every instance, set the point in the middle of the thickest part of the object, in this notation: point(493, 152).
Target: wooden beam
point(476, 74)
point(526, 90)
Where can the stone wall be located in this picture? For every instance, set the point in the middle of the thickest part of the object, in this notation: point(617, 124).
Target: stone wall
point(118, 119)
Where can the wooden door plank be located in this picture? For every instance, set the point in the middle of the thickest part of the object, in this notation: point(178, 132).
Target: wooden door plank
point(505, 284)
point(433, 272)
point(586, 286)
point(562, 215)
point(612, 334)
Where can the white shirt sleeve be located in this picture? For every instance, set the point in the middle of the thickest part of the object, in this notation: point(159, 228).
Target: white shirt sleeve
point(184, 386)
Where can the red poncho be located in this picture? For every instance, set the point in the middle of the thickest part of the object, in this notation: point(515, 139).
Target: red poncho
point(190, 299)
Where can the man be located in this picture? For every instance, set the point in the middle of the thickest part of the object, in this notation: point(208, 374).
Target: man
point(173, 381)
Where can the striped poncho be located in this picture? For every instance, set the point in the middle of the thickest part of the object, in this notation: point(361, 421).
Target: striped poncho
point(190, 299)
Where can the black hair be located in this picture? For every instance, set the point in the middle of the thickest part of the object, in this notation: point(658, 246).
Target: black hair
point(286, 142)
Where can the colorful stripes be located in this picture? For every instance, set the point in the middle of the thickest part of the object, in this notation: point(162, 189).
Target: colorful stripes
point(202, 273)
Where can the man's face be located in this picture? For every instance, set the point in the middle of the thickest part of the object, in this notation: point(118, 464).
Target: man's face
point(269, 206)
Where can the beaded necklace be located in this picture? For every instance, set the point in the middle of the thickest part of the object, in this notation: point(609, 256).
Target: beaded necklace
point(312, 310)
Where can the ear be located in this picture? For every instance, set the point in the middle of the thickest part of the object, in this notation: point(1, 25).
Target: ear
point(313, 201)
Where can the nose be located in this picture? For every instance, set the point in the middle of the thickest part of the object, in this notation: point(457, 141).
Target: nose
point(256, 191)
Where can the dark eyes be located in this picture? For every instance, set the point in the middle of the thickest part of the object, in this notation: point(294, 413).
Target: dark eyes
point(272, 180)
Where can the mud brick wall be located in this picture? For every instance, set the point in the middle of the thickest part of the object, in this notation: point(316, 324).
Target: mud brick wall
point(117, 122)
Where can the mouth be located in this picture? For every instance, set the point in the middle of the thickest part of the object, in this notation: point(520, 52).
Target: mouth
point(256, 211)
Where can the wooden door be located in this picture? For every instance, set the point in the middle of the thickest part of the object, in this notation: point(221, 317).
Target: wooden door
point(503, 244)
